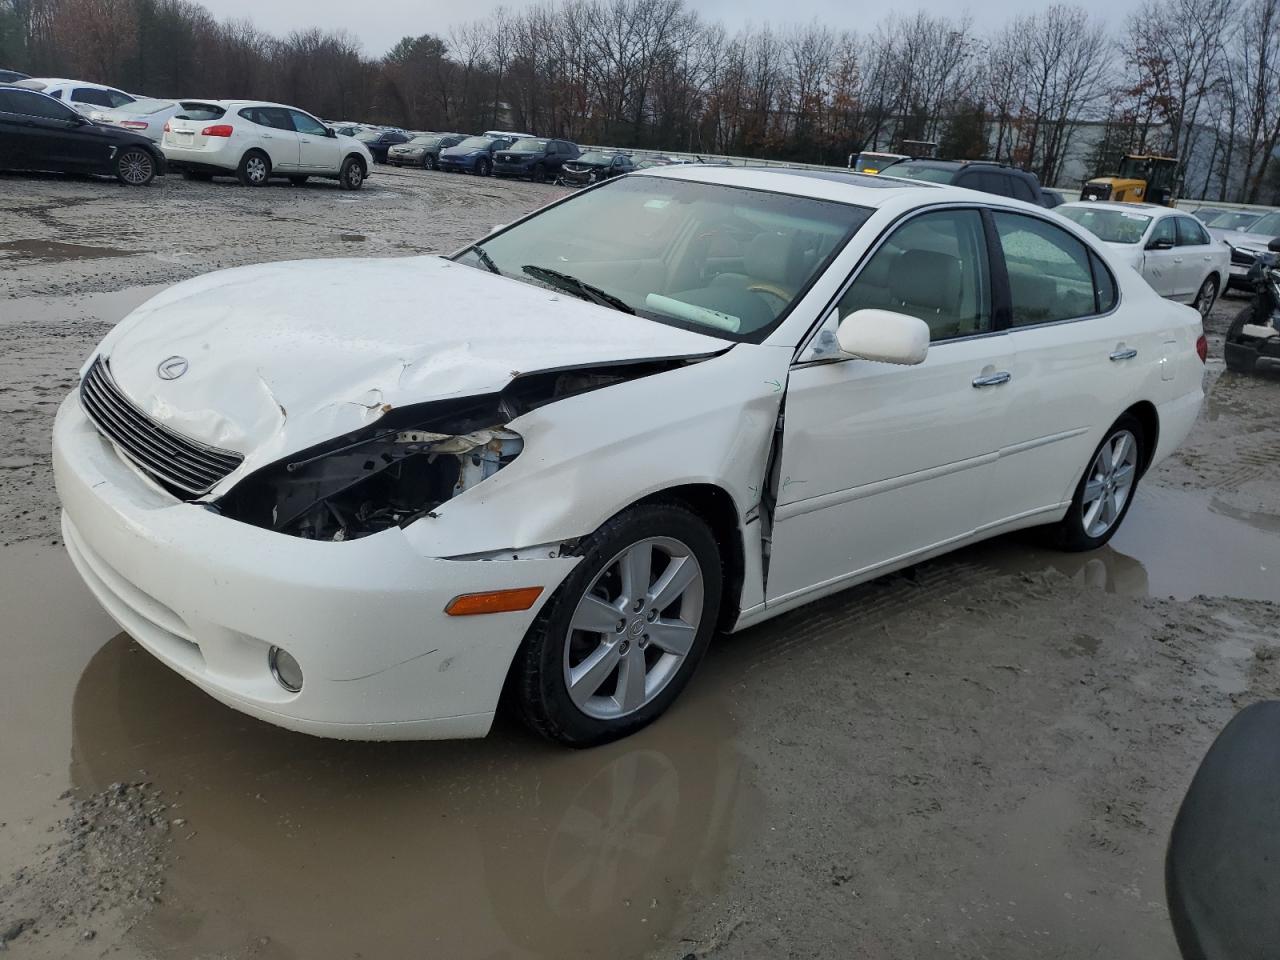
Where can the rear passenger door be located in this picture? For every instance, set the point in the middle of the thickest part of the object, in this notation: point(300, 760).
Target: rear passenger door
point(276, 135)
point(1071, 374)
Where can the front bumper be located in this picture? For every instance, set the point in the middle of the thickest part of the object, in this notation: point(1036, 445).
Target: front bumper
point(1239, 277)
point(209, 596)
point(467, 164)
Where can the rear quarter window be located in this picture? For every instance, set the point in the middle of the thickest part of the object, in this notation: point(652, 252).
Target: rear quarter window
point(1050, 274)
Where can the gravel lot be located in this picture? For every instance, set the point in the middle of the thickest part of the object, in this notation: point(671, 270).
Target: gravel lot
point(980, 757)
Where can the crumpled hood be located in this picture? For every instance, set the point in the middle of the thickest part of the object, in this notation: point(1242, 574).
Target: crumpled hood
point(1130, 253)
point(286, 355)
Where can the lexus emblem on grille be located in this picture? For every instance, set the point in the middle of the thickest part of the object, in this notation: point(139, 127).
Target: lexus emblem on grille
point(172, 368)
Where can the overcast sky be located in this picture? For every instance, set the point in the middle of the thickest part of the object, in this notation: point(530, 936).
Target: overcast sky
point(380, 23)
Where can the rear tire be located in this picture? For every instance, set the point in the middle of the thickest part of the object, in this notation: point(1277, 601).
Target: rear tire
point(1105, 492)
point(664, 621)
point(1206, 296)
point(352, 174)
point(254, 169)
point(135, 167)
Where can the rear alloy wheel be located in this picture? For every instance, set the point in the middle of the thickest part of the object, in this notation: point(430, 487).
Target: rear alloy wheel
point(623, 634)
point(1106, 490)
point(254, 169)
point(135, 167)
point(483, 168)
point(351, 177)
point(1207, 296)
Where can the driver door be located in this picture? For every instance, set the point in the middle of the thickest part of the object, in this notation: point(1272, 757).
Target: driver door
point(317, 151)
point(882, 464)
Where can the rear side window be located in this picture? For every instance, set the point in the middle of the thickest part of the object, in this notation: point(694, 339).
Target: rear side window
point(99, 98)
point(117, 98)
point(1050, 276)
point(272, 117)
point(1190, 233)
point(1022, 189)
point(933, 267)
point(35, 105)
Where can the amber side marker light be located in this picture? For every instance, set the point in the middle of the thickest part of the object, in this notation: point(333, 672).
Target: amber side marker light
point(496, 601)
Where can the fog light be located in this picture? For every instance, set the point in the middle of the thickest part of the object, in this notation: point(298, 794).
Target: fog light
point(285, 669)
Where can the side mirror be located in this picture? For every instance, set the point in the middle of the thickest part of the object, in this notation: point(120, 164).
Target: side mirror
point(884, 336)
point(330, 133)
point(1274, 245)
point(1161, 244)
point(1221, 880)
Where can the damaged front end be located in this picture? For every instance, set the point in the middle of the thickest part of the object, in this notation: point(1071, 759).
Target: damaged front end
point(405, 466)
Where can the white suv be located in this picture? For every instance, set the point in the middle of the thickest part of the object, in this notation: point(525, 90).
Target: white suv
point(256, 141)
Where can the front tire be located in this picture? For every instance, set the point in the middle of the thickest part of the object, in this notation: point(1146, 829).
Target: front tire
point(352, 174)
point(1105, 492)
point(540, 173)
point(621, 637)
point(135, 167)
point(1206, 296)
point(429, 162)
point(483, 168)
point(254, 169)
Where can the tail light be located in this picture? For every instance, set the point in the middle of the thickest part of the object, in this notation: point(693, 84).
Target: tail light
point(167, 128)
point(137, 124)
point(217, 130)
point(1202, 348)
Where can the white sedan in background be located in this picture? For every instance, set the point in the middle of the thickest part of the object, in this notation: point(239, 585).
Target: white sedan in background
point(1171, 249)
point(82, 96)
point(146, 116)
point(572, 466)
point(256, 141)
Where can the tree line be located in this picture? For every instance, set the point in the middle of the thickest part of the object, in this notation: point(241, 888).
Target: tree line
point(1180, 77)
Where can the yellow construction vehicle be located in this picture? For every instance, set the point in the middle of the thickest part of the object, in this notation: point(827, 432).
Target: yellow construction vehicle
point(1141, 179)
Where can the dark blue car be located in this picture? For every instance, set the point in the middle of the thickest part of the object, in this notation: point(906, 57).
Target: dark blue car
point(534, 157)
point(473, 155)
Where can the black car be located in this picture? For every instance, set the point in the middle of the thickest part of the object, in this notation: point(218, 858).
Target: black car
point(38, 132)
point(12, 76)
point(380, 141)
point(534, 157)
point(985, 175)
point(595, 165)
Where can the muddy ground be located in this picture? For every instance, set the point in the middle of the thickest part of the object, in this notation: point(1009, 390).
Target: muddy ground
point(978, 758)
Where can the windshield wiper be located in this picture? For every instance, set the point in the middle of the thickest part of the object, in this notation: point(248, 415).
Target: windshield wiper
point(484, 258)
point(580, 288)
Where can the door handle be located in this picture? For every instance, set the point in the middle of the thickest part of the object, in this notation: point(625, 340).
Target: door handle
point(1127, 354)
point(267, 136)
point(993, 379)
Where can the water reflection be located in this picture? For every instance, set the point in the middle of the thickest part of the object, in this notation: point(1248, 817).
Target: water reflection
point(502, 847)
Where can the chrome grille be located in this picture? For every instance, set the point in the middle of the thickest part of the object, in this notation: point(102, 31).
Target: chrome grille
point(185, 467)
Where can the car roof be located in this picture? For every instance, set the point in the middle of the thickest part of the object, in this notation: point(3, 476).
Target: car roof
point(1150, 209)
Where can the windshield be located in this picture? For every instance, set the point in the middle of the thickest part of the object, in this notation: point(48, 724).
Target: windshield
point(144, 107)
point(723, 261)
point(874, 162)
point(1268, 225)
point(1113, 226)
point(475, 143)
point(920, 171)
point(368, 135)
point(528, 146)
point(596, 156)
point(425, 141)
point(1233, 220)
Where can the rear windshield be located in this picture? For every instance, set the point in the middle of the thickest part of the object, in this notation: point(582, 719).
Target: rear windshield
point(1113, 226)
point(145, 107)
point(528, 146)
point(920, 171)
point(200, 111)
point(476, 143)
point(425, 141)
point(368, 135)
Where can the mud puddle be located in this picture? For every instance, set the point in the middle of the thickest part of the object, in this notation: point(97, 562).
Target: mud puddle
point(289, 846)
point(1172, 544)
point(57, 251)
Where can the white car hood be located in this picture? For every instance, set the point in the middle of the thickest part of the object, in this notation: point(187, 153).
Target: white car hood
point(286, 355)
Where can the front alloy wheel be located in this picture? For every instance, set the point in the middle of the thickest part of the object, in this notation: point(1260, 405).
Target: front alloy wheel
point(620, 638)
point(135, 167)
point(351, 176)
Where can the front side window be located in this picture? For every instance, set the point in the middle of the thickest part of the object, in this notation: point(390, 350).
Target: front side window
point(1164, 232)
point(934, 267)
point(307, 124)
point(529, 146)
point(1050, 278)
point(724, 261)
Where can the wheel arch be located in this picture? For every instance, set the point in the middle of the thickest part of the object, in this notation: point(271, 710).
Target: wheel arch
point(1144, 411)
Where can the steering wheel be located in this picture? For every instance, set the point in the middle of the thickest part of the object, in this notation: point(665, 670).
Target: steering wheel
point(769, 288)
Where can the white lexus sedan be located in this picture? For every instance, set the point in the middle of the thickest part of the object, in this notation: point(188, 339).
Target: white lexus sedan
point(256, 141)
point(1171, 249)
point(680, 402)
